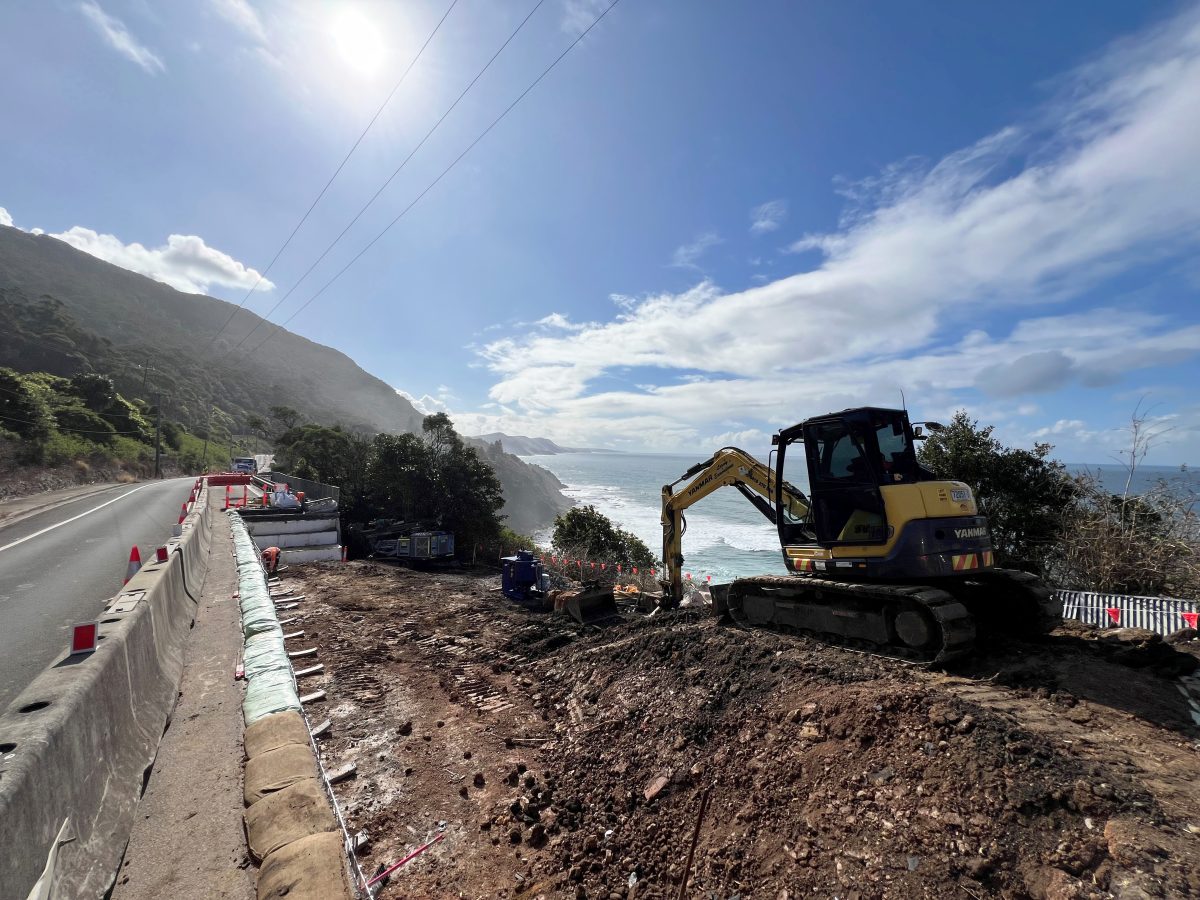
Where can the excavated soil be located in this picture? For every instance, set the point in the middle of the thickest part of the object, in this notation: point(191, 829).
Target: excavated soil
point(558, 761)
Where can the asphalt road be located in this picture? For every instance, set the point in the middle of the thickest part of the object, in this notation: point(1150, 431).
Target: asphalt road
point(59, 567)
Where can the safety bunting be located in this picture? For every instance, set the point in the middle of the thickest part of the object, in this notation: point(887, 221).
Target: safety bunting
point(592, 567)
point(1114, 615)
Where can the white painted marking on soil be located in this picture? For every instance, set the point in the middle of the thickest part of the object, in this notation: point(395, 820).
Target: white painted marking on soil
point(30, 537)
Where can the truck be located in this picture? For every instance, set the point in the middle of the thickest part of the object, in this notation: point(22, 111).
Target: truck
point(244, 465)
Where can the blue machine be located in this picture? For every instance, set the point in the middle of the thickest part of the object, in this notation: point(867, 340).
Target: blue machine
point(523, 578)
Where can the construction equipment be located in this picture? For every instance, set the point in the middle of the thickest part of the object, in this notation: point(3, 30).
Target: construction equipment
point(890, 559)
point(409, 543)
point(524, 579)
point(592, 605)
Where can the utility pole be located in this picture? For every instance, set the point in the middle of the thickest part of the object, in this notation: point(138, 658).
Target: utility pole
point(207, 433)
point(158, 435)
point(145, 372)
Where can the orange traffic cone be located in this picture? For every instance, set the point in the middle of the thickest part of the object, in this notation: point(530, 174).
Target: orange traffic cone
point(135, 563)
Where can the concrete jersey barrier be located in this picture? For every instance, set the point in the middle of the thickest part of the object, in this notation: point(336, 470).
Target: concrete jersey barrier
point(77, 744)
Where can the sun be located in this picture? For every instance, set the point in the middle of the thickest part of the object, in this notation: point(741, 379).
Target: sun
point(358, 41)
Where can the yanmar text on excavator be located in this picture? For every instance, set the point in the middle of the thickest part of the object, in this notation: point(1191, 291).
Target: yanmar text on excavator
point(884, 557)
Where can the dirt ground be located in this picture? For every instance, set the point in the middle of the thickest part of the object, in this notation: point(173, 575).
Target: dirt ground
point(564, 762)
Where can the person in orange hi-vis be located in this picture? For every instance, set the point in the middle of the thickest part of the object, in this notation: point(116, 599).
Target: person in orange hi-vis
point(270, 558)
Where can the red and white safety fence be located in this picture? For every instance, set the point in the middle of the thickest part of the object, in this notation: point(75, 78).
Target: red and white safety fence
point(1164, 615)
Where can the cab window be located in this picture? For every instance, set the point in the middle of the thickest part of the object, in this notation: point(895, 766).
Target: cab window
point(896, 458)
point(840, 454)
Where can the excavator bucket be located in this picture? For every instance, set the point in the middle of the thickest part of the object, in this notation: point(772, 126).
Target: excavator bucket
point(720, 599)
point(592, 605)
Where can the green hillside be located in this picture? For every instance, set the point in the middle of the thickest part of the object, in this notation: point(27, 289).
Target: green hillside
point(66, 312)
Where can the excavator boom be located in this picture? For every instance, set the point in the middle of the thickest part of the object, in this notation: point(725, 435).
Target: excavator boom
point(728, 467)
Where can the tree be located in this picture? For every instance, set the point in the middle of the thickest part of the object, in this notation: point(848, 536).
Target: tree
point(440, 437)
point(319, 453)
point(284, 419)
point(398, 479)
point(256, 425)
point(96, 391)
point(85, 423)
point(468, 495)
point(436, 480)
point(172, 435)
point(1022, 492)
point(584, 532)
point(127, 419)
point(24, 410)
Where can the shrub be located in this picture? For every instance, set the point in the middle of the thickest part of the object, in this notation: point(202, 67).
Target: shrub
point(85, 423)
point(585, 533)
point(61, 448)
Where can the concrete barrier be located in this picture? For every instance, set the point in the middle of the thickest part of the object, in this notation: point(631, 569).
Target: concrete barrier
point(77, 745)
point(311, 537)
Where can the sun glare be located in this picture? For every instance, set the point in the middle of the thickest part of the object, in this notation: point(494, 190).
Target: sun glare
point(358, 41)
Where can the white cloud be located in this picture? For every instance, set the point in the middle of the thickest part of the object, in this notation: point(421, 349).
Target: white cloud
point(1100, 182)
point(242, 16)
point(578, 15)
point(746, 439)
point(685, 257)
point(425, 404)
point(5, 218)
point(767, 216)
point(558, 320)
point(185, 262)
point(113, 31)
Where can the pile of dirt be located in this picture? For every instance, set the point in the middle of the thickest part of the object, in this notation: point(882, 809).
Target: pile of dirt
point(825, 769)
point(564, 762)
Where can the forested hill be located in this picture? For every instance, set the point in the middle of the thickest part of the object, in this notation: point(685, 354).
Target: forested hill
point(152, 324)
point(64, 311)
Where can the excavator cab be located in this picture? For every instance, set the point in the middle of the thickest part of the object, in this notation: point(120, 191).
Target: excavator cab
point(850, 456)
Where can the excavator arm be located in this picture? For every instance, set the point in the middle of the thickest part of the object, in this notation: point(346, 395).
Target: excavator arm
point(729, 466)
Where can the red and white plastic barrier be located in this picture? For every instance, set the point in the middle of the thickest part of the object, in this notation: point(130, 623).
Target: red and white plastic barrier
point(1164, 615)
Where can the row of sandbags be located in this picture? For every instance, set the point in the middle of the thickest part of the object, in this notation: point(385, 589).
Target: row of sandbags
point(290, 826)
point(270, 685)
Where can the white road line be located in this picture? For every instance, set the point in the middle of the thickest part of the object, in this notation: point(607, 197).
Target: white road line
point(30, 537)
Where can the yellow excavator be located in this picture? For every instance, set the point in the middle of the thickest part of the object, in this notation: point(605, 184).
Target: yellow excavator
point(883, 556)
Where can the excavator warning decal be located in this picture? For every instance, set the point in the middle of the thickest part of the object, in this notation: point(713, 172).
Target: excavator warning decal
point(988, 558)
point(964, 562)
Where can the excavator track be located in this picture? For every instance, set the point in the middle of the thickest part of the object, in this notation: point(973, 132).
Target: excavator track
point(1008, 602)
point(915, 623)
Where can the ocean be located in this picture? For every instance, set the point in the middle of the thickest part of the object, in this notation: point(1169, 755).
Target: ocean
point(726, 536)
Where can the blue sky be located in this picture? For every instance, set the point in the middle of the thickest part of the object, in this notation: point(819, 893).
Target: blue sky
point(710, 220)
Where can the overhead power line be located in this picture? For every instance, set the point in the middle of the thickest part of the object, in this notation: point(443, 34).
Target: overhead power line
point(358, 215)
point(442, 175)
point(336, 172)
point(64, 428)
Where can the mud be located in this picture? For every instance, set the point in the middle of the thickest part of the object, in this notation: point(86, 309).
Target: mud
point(568, 762)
